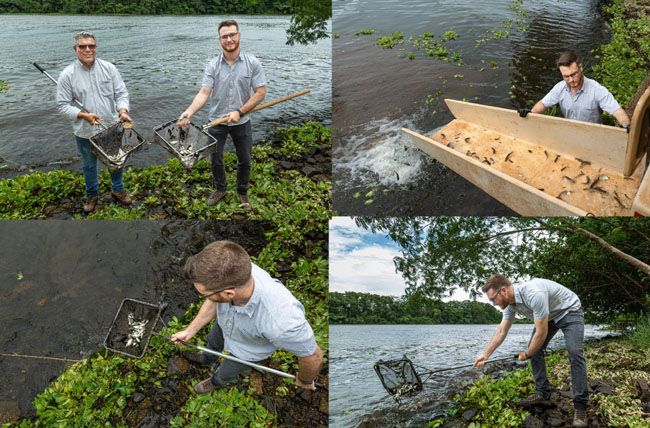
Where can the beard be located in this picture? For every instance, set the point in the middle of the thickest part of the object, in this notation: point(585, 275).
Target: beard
point(230, 48)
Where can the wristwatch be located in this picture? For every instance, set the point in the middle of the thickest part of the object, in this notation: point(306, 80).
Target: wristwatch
point(240, 113)
point(526, 355)
point(305, 382)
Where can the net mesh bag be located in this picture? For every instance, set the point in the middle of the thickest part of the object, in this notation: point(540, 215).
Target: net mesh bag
point(399, 377)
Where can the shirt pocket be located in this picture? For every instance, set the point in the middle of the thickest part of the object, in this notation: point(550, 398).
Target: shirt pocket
point(247, 80)
point(106, 88)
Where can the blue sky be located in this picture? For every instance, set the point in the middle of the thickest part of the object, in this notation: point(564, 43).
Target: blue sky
point(362, 261)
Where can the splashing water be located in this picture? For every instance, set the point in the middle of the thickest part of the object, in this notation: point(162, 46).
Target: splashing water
point(379, 153)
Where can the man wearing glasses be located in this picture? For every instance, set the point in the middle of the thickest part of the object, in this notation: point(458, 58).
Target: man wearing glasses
point(579, 97)
point(98, 86)
point(553, 307)
point(234, 82)
point(255, 314)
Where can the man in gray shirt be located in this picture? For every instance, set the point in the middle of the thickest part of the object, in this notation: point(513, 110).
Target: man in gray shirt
point(235, 83)
point(98, 86)
point(552, 307)
point(255, 314)
point(579, 97)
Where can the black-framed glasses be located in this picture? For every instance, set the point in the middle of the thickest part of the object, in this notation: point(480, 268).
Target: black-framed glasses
point(495, 295)
point(209, 294)
point(84, 47)
point(229, 36)
point(572, 75)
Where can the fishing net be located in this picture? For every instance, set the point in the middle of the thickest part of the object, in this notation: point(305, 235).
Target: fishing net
point(189, 143)
point(113, 145)
point(399, 377)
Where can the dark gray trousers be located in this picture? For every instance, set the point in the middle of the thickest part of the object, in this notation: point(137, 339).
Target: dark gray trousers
point(573, 327)
point(228, 370)
point(242, 138)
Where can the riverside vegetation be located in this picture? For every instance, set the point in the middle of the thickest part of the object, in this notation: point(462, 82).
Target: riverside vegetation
point(108, 389)
point(290, 181)
point(619, 379)
point(366, 308)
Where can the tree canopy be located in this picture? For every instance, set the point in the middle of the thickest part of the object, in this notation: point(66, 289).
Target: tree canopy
point(366, 308)
point(603, 260)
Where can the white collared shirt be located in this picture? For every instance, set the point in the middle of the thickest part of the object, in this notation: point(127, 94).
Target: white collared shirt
point(272, 318)
point(99, 88)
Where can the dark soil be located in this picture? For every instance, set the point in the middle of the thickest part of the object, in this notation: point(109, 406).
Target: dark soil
point(74, 277)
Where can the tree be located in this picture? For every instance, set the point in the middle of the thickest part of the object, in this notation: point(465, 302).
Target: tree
point(602, 259)
point(309, 21)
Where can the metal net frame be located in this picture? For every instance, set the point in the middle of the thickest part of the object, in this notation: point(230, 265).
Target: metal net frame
point(399, 377)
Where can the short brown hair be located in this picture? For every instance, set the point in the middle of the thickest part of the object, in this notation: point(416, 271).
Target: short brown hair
point(220, 265)
point(496, 282)
point(228, 23)
point(567, 58)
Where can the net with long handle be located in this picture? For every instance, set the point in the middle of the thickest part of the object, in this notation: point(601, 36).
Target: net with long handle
point(399, 377)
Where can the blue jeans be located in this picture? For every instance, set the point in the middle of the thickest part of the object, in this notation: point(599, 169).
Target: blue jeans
point(242, 138)
point(89, 166)
point(228, 370)
point(573, 327)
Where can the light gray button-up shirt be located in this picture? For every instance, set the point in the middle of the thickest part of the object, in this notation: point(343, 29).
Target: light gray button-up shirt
point(587, 104)
point(271, 319)
point(540, 298)
point(232, 85)
point(99, 88)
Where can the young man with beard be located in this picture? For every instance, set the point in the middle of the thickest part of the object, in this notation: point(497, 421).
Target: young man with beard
point(579, 97)
point(98, 86)
point(552, 307)
point(256, 315)
point(235, 83)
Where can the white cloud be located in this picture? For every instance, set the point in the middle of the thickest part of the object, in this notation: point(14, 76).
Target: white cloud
point(366, 269)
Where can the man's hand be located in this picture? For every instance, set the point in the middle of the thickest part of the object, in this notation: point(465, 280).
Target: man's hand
point(184, 118)
point(480, 361)
point(124, 117)
point(234, 116)
point(522, 356)
point(91, 118)
point(310, 386)
point(523, 112)
point(182, 336)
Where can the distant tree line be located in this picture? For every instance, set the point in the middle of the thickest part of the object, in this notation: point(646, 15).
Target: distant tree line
point(366, 308)
point(149, 7)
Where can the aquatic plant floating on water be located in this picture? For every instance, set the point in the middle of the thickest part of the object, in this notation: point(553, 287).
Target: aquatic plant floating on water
point(136, 331)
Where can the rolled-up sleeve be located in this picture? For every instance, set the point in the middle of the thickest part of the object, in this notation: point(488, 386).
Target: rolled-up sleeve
point(64, 96)
point(120, 92)
point(208, 75)
point(553, 97)
point(259, 78)
point(295, 335)
point(539, 304)
point(606, 100)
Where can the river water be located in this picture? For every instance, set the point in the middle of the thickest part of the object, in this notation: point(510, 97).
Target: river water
point(161, 59)
point(377, 91)
point(356, 394)
point(61, 283)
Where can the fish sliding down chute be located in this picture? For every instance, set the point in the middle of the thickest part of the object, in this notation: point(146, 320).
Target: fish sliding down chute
point(545, 165)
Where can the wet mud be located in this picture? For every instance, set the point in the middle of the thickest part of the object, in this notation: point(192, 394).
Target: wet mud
point(62, 284)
